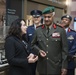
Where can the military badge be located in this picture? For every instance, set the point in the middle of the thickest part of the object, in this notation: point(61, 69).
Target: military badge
point(56, 35)
point(67, 16)
point(54, 26)
point(70, 37)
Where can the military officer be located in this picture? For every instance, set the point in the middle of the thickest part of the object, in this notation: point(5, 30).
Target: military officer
point(71, 37)
point(36, 15)
point(50, 44)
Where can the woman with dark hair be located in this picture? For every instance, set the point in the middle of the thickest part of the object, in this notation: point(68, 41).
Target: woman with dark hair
point(16, 49)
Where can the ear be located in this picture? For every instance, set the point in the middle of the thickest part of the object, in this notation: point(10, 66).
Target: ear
point(53, 13)
point(69, 22)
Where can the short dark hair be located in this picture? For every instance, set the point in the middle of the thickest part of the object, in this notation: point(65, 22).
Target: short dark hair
point(15, 28)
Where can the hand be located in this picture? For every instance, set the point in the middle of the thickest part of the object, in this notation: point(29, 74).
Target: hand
point(32, 60)
point(42, 53)
point(30, 56)
point(63, 72)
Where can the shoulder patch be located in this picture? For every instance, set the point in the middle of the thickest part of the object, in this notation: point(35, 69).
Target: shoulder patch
point(72, 30)
point(59, 25)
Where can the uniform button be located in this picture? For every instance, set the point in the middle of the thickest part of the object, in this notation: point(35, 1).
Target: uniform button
point(59, 60)
point(47, 39)
point(70, 41)
point(56, 40)
point(47, 52)
point(47, 45)
point(47, 58)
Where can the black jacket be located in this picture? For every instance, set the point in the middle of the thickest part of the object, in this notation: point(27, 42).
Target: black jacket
point(16, 54)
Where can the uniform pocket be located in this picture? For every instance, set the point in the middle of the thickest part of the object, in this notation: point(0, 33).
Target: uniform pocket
point(39, 38)
point(56, 39)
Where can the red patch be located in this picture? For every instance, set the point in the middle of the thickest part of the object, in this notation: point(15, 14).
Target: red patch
point(54, 26)
point(43, 26)
point(69, 30)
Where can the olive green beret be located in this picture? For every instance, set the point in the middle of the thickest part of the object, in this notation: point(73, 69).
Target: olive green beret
point(48, 10)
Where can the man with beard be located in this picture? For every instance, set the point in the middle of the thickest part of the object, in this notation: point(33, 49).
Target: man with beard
point(50, 44)
point(71, 38)
point(36, 15)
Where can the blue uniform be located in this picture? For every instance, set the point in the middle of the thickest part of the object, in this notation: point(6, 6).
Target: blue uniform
point(29, 35)
point(71, 38)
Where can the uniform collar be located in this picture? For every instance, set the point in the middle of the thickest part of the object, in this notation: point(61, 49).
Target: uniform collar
point(49, 26)
point(35, 26)
point(66, 29)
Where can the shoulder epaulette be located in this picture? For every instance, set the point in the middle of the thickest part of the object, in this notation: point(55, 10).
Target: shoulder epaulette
point(59, 25)
point(39, 26)
point(30, 26)
point(69, 29)
point(73, 30)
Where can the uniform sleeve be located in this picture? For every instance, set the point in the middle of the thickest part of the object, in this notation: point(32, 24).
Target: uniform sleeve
point(10, 54)
point(34, 43)
point(64, 50)
point(27, 35)
point(73, 49)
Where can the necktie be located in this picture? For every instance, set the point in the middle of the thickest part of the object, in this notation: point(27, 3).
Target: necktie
point(47, 30)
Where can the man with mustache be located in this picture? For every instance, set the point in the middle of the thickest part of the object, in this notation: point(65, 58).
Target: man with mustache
point(50, 44)
point(71, 38)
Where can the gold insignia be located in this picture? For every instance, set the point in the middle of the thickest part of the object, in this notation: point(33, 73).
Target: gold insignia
point(67, 16)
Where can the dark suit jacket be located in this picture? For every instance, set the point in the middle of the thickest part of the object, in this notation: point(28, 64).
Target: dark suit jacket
point(16, 54)
point(56, 47)
point(71, 37)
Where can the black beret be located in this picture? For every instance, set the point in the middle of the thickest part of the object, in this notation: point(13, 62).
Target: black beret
point(36, 12)
point(67, 16)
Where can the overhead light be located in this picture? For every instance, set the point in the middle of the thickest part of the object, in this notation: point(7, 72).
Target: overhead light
point(67, 2)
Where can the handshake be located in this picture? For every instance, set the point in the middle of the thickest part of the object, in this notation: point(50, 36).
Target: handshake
point(32, 58)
